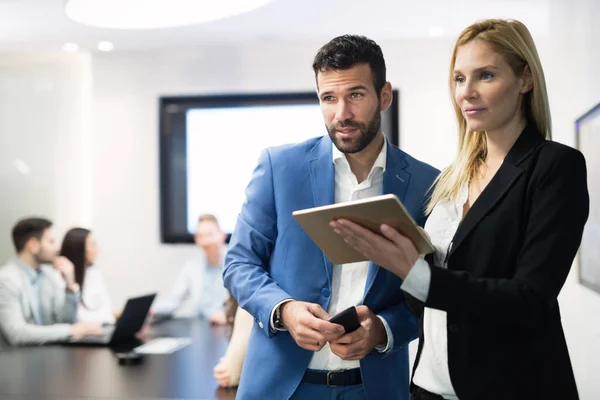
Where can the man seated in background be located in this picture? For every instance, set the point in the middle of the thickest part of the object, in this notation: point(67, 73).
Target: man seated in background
point(38, 303)
point(200, 280)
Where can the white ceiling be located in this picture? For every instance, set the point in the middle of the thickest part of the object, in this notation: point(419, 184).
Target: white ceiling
point(41, 25)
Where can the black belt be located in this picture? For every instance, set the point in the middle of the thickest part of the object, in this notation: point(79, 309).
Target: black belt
point(346, 377)
point(419, 393)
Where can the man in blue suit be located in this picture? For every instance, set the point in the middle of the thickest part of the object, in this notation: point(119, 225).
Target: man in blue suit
point(284, 280)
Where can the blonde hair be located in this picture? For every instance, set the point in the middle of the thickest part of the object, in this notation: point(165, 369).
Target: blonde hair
point(512, 40)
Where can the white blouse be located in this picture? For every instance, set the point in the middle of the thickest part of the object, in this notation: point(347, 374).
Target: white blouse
point(95, 304)
point(432, 373)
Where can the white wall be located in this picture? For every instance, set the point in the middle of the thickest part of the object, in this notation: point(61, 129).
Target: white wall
point(112, 100)
point(44, 101)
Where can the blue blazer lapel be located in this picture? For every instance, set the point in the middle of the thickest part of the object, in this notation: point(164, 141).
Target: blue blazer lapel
point(395, 180)
point(322, 178)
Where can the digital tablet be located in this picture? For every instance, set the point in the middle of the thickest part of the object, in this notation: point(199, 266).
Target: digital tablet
point(370, 213)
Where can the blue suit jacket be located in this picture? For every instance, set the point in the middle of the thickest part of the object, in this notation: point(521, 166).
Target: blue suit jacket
point(271, 258)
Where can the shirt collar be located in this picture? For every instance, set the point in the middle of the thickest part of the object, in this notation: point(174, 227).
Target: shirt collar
point(380, 161)
point(31, 273)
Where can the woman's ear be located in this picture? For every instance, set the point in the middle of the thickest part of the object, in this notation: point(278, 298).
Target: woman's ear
point(527, 79)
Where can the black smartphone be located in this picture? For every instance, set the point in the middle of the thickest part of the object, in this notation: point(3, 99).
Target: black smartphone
point(348, 319)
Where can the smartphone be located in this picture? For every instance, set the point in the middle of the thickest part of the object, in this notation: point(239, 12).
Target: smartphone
point(348, 319)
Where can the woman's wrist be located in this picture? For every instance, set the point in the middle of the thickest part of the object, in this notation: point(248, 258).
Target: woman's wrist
point(73, 288)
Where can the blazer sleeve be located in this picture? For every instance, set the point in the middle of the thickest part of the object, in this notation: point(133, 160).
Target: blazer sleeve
point(16, 330)
point(559, 210)
point(246, 273)
point(66, 307)
point(415, 305)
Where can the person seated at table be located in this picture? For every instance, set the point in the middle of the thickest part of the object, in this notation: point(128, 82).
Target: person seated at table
point(200, 280)
point(79, 247)
point(38, 302)
point(229, 369)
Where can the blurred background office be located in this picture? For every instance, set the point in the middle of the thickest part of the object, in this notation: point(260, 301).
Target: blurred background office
point(79, 112)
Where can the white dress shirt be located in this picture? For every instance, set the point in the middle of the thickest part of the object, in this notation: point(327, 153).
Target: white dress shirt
point(432, 373)
point(95, 304)
point(201, 284)
point(349, 280)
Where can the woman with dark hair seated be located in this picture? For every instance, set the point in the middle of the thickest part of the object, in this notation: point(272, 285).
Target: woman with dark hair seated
point(81, 249)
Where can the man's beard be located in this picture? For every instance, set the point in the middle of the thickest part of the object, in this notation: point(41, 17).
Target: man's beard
point(44, 259)
point(368, 132)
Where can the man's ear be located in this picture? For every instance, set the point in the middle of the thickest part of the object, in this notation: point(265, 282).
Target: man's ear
point(386, 97)
point(33, 245)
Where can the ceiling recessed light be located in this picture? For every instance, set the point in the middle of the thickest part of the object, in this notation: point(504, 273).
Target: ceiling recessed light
point(105, 46)
point(132, 14)
point(70, 47)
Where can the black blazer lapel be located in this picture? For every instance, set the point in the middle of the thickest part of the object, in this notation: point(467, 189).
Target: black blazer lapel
point(499, 185)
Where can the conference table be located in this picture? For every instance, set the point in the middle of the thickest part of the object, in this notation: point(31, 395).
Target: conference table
point(93, 373)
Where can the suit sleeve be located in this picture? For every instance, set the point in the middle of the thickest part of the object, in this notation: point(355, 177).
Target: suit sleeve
point(16, 330)
point(559, 210)
point(66, 309)
point(402, 324)
point(246, 273)
point(64, 304)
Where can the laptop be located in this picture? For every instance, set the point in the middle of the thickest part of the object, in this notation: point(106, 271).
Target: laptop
point(123, 333)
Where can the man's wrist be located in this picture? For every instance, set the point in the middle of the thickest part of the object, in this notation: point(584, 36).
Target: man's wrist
point(277, 320)
point(388, 344)
point(382, 338)
point(277, 309)
point(280, 310)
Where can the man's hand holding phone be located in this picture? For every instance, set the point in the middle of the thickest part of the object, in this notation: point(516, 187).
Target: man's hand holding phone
point(308, 324)
point(356, 344)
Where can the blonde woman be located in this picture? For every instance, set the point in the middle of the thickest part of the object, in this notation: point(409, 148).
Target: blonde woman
point(229, 369)
point(506, 219)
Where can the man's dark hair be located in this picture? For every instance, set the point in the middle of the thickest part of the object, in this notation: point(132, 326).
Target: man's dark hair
point(28, 228)
point(344, 52)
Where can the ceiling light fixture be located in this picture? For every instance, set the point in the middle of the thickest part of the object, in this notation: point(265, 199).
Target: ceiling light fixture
point(151, 14)
point(105, 46)
point(70, 47)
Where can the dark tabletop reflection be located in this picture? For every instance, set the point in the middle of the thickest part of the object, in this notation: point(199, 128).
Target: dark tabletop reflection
point(58, 372)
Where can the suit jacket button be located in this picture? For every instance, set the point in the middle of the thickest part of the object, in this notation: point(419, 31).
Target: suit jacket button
point(325, 292)
point(453, 328)
point(260, 325)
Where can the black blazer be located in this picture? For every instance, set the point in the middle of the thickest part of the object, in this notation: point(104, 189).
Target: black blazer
point(509, 260)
